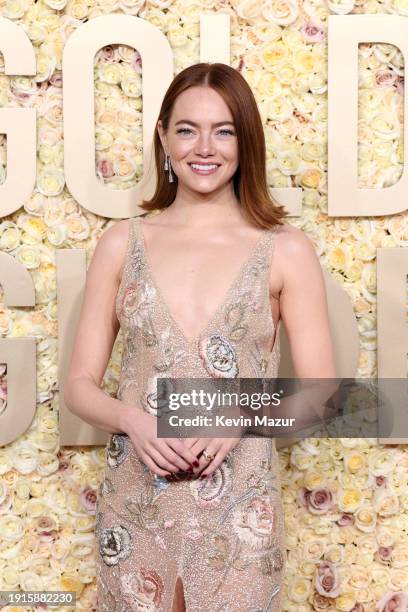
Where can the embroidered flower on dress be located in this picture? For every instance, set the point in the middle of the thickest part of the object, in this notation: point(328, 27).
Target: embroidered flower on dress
point(117, 449)
point(143, 313)
point(169, 354)
point(105, 487)
point(258, 362)
point(153, 404)
point(272, 562)
point(143, 590)
point(234, 315)
point(218, 356)
point(114, 544)
point(210, 491)
point(255, 523)
point(129, 300)
point(159, 483)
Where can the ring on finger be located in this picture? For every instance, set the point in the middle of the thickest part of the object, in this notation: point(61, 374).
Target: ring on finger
point(208, 457)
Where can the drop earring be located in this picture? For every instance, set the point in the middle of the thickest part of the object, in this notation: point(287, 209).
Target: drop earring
point(167, 167)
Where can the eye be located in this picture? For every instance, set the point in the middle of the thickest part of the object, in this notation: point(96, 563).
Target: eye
point(227, 131)
point(183, 130)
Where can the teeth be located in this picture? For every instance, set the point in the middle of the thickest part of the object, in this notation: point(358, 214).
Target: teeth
point(205, 167)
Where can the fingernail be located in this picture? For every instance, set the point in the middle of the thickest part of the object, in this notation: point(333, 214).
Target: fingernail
point(168, 477)
point(195, 463)
point(203, 476)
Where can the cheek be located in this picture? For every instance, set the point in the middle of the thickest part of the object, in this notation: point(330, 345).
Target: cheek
point(181, 150)
point(230, 152)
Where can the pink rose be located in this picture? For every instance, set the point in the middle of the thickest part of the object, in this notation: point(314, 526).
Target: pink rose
point(321, 603)
point(383, 554)
point(107, 54)
point(380, 481)
point(45, 528)
point(393, 602)
point(88, 498)
point(312, 33)
point(56, 79)
point(385, 78)
point(345, 520)
point(399, 85)
point(136, 62)
point(105, 168)
point(318, 501)
point(327, 580)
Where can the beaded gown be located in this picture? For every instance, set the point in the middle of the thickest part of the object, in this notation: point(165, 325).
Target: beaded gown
point(224, 538)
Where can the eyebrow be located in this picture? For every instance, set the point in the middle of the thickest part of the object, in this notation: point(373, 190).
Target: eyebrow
point(196, 124)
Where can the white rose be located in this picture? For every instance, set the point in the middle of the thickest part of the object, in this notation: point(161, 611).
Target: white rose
point(385, 502)
point(9, 236)
point(299, 589)
point(24, 457)
point(341, 7)
point(29, 256)
point(132, 86)
point(50, 181)
point(45, 67)
point(77, 226)
point(282, 12)
point(11, 528)
point(14, 9)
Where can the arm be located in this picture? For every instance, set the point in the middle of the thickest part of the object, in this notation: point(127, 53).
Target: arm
point(96, 333)
point(304, 311)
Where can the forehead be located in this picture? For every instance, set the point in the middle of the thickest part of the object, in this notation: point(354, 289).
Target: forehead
point(196, 103)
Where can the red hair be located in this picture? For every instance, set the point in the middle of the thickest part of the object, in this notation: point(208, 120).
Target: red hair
point(250, 182)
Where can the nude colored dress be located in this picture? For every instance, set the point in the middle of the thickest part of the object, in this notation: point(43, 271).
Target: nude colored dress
point(224, 537)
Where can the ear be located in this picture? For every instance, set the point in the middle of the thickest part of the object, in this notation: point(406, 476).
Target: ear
point(162, 135)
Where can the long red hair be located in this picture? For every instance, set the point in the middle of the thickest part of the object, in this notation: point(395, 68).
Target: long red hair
point(250, 182)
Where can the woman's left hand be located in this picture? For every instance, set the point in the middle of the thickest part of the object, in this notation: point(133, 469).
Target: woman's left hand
point(216, 447)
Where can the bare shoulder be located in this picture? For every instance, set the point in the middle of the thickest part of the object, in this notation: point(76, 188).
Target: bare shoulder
point(112, 246)
point(294, 255)
point(293, 241)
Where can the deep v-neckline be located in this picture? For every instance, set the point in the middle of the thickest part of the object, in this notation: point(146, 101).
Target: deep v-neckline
point(194, 340)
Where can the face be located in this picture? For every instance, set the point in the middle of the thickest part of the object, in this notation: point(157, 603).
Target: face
point(201, 140)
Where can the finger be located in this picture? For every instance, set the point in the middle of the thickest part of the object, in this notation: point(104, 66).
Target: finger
point(171, 456)
point(197, 449)
point(163, 461)
point(200, 445)
point(153, 467)
point(189, 442)
point(182, 451)
point(224, 449)
point(214, 465)
point(212, 449)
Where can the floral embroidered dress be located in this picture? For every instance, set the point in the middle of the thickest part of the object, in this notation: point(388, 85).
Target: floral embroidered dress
point(223, 537)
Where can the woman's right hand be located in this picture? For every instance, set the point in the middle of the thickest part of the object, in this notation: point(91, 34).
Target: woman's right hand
point(163, 456)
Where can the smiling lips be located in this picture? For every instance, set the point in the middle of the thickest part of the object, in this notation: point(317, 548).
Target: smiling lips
point(204, 169)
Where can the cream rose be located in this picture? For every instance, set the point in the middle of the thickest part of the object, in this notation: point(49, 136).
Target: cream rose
point(50, 181)
point(299, 589)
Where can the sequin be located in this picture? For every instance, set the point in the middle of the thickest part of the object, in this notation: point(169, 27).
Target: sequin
point(223, 537)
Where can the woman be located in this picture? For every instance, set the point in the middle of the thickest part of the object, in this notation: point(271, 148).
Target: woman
point(196, 524)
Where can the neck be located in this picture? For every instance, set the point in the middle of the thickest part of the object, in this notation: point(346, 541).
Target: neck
point(202, 210)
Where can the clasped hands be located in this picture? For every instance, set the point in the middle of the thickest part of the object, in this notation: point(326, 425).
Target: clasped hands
point(174, 458)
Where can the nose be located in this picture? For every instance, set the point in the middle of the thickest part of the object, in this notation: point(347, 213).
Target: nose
point(204, 144)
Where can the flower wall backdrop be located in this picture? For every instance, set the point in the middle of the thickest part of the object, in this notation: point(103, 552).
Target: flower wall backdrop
point(346, 500)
